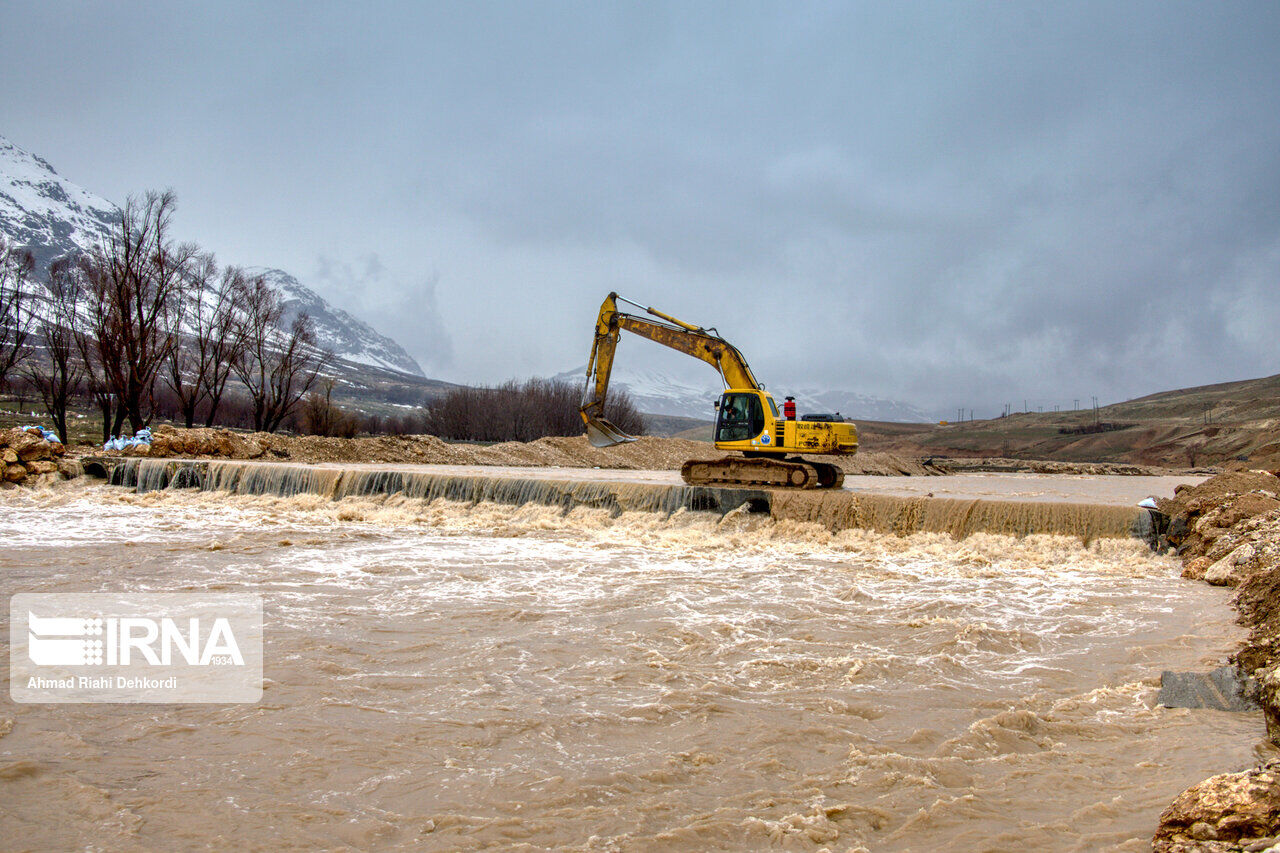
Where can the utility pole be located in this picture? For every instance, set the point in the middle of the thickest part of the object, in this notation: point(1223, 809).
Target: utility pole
point(1075, 404)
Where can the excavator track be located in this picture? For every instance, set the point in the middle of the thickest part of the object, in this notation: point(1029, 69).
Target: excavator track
point(792, 473)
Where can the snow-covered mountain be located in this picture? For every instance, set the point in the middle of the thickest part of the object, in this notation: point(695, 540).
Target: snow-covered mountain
point(44, 212)
point(350, 337)
point(657, 393)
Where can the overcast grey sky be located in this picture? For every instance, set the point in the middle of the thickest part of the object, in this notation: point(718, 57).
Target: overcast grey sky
point(949, 204)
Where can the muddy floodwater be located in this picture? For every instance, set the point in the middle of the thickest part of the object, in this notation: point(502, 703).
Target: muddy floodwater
point(451, 677)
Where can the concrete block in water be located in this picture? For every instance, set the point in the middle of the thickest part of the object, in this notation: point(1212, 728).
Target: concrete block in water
point(1224, 689)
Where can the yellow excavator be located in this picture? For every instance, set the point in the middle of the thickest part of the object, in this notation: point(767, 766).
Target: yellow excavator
point(747, 419)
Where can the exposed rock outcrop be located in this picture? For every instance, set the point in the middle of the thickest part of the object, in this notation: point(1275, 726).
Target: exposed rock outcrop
point(27, 458)
point(1201, 515)
point(1231, 811)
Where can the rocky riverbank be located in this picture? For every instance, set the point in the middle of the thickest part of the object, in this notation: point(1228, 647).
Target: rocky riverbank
point(28, 458)
point(1227, 531)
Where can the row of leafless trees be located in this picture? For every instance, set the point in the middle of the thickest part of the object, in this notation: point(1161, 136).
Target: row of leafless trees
point(140, 313)
point(513, 411)
point(521, 411)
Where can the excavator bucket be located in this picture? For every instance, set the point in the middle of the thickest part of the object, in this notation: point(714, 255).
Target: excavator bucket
point(601, 433)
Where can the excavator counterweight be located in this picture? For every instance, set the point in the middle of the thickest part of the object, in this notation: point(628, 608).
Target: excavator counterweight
point(747, 419)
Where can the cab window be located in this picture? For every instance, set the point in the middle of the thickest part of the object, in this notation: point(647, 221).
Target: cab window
point(741, 417)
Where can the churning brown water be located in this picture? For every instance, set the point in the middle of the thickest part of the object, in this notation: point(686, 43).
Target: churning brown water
point(451, 677)
point(1019, 505)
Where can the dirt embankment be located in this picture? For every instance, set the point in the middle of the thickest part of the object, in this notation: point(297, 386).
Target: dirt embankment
point(647, 453)
point(1227, 531)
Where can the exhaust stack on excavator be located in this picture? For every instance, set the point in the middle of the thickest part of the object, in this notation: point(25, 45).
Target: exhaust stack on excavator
point(747, 419)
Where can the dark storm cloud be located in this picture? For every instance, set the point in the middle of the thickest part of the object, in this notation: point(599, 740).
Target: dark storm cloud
point(947, 203)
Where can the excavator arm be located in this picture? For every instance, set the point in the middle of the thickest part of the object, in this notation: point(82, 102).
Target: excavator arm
point(704, 344)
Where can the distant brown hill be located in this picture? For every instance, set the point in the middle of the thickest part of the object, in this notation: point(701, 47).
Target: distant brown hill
point(1227, 402)
point(1233, 424)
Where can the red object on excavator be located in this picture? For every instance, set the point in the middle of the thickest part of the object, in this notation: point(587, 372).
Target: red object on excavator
point(789, 409)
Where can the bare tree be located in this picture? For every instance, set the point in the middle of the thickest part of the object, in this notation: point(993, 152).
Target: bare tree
point(184, 368)
point(19, 388)
point(134, 284)
point(319, 416)
point(60, 374)
point(276, 367)
point(226, 336)
point(15, 306)
point(198, 370)
point(97, 382)
point(99, 349)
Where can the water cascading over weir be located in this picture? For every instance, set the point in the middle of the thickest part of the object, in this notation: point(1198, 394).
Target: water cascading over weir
point(335, 483)
point(834, 510)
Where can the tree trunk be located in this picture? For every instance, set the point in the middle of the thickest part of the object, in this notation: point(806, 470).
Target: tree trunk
point(215, 401)
point(104, 406)
point(60, 422)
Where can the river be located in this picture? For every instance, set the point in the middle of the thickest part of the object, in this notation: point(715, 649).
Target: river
point(451, 677)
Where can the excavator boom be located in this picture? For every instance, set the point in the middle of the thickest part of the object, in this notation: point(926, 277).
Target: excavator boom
point(704, 344)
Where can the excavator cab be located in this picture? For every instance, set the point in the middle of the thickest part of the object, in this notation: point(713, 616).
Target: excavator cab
point(741, 416)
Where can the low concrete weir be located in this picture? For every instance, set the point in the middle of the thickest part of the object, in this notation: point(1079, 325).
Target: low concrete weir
point(836, 509)
point(280, 480)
